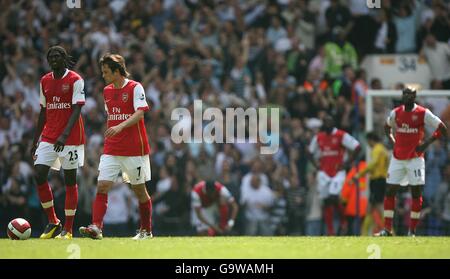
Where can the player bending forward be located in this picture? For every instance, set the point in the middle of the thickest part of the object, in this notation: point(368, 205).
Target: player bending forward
point(126, 146)
point(210, 201)
point(407, 166)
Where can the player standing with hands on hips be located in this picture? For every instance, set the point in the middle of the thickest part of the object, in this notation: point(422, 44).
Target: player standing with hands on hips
point(126, 146)
point(62, 139)
point(407, 165)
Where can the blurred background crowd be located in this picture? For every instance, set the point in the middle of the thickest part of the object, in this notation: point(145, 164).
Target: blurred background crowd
point(301, 56)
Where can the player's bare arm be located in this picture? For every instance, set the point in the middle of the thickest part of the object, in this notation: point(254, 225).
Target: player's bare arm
point(388, 133)
point(312, 160)
point(440, 131)
point(61, 141)
point(134, 119)
point(234, 211)
point(40, 126)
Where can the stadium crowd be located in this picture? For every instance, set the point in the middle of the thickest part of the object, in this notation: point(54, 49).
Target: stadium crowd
point(300, 56)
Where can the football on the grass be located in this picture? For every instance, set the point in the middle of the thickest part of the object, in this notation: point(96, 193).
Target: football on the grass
point(19, 229)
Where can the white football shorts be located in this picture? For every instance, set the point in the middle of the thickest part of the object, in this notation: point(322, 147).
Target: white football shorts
point(327, 185)
point(135, 169)
point(406, 172)
point(70, 158)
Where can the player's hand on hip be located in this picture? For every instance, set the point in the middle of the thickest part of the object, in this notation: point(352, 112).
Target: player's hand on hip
point(59, 144)
point(112, 131)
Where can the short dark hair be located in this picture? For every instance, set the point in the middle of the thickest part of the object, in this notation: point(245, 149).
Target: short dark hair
point(372, 136)
point(115, 62)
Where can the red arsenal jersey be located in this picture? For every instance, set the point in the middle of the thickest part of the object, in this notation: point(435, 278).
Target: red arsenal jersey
point(200, 199)
point(58, 97)
point(120, 104)
point(410, 129)
point(330, 148)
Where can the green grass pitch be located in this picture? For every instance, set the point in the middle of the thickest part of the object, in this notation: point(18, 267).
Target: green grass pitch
point(231, 248)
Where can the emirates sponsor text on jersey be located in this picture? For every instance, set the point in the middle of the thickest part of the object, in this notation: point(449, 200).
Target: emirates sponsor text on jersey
point(407, 130)
point(56, 104)
point(116, 115)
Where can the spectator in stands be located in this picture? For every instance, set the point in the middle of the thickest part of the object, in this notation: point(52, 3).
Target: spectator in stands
point(441, 26)
point(339, 52)
point(435, 159)
point(386, 35)
point(118, 214)
point(437, 55)
point(257, 201)
point(444, 201)
point(338, 15)
point(405, 23)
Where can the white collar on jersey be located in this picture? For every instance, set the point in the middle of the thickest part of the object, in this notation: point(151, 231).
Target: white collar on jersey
point(65, 74)
point(125, 82)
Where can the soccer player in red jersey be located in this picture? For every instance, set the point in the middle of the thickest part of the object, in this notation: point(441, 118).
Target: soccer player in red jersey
point(329, 147)
point(407, 165)
point(61, 130)
point(210, 201)
point(126, 146)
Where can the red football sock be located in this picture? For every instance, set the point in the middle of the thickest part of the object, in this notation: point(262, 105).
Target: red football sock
point(328, 216)
point(415, 213)
point(70, 206)
point(389, 205)
point(145, 211)
point(46, 198)
point(223, 216)
point(99, 209)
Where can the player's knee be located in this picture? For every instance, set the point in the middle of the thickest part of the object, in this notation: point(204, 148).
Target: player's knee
point(40, 179)
point(141, 192)
point(40, 175)
point(416, 192)
point(391, 191)
point(70, 181)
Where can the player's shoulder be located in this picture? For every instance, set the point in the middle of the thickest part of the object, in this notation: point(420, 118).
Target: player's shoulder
point(319, 134)
point(73, 75)
point(197, 187)
point(46, 77)
point(133, 83)
point(339, 132)
point(219, 185)
point(420, 108)
point(109, 86)
point(398, 109)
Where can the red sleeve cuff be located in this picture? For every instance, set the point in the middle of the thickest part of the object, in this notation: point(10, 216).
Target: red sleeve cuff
point(143, 108)
point(437, 134)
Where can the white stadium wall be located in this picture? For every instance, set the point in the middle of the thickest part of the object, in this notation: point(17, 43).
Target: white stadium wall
point(392, 69)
